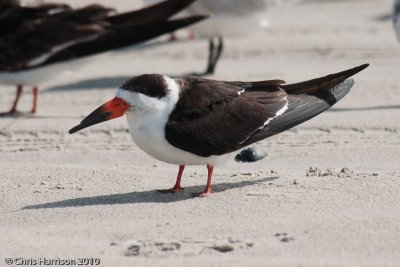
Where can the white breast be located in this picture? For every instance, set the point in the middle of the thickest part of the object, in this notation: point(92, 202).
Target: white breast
point(148, 133)
point(32, 77)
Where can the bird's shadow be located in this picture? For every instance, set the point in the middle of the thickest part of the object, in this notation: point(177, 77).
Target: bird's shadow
point(143, 197)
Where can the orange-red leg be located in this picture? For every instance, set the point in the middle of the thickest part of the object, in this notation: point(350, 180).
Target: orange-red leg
point(17, 97)
point(35, 92)
point(177, 187)
point(207, 191)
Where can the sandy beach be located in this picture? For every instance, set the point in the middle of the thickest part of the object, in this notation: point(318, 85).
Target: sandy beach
point(327, 194)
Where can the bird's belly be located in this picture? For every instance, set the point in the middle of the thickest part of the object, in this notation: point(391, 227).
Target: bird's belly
point(229, 26)
point(151, 139)
point(45, 74)
point(31, 77)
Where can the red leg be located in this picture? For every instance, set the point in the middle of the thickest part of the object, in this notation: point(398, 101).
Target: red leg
point(177, 187)
point(207, 191)
point(17, 96)
point(35, 92)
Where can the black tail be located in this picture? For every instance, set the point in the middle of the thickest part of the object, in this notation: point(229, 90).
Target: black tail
point(323, 83)
point(302, 108)
point(307, 100)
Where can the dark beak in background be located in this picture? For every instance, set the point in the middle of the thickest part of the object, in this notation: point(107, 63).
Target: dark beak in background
point(112, 109)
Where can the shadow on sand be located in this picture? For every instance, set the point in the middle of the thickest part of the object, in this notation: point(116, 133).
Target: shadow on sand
point(144, 197)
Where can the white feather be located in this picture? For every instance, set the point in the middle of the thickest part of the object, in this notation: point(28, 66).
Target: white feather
point(241, 92)
point(278, 113)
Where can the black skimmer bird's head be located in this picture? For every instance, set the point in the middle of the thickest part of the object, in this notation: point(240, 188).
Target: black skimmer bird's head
point(148, 93)
point(193, 121)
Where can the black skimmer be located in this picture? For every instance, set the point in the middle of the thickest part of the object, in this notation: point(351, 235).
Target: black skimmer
point(195, 121)
point(32, 53)
point(396, 17)
point(228, 18)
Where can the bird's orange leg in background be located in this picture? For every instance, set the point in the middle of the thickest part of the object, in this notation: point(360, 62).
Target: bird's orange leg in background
point(35, 92)
point(13, 109)
point(177, 187)
point(207, 191)
point(17, 97)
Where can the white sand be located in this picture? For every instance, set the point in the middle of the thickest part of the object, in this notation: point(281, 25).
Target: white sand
point(93, 194)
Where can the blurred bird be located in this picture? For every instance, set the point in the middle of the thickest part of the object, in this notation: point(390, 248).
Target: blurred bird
point(228, 18)
point(195, 121)
point(396, 17)
point(35, 40)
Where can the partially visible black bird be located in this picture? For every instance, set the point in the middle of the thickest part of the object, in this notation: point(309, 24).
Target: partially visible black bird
point(39, 42)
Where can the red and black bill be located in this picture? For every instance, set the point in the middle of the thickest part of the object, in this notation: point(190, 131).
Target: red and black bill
point(113, 109)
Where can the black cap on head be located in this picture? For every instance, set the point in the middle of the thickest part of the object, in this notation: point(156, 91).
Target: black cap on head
point(152, 85)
